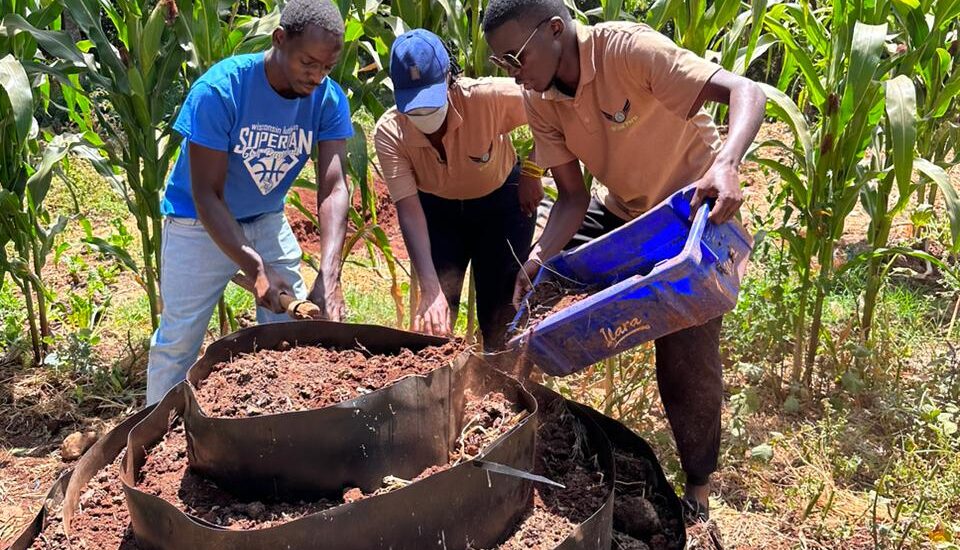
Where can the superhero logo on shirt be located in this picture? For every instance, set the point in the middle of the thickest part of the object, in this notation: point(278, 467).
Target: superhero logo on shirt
point(270, 152)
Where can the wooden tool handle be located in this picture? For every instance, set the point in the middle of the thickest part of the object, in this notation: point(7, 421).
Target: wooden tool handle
point(296, 309)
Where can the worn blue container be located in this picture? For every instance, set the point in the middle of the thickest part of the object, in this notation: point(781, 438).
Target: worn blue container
point(657, 274)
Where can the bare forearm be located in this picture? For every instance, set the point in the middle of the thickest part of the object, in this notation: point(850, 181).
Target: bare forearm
point(564, 221)
point(567, 214)
point(332, 213)
point(333, 200)
point(747, 103)
point(413, 225)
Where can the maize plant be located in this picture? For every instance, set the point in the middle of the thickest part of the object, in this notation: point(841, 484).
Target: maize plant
point(465, 37)
point(27, 166)
point(698, 25)
point(212, 30)
point(841, 69)
point(930, 55)
point(142, 77)
point(893, 166)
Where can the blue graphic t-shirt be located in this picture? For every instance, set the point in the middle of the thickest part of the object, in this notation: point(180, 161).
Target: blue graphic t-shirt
point(268, 138)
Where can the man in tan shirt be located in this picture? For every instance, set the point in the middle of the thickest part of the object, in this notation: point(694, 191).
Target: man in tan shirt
point(627, 103)
point(450, 166)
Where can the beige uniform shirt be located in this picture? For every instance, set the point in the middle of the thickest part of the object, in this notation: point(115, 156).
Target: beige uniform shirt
point(628, 121)
point(480, 154)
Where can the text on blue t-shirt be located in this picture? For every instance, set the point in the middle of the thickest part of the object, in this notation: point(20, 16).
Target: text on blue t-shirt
point(267, 138)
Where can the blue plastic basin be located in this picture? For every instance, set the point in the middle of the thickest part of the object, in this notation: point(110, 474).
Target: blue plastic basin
point(657, 274)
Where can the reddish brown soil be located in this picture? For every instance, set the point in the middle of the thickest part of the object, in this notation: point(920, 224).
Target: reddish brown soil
point(101, 522)
point(307, 377)
point(485, 419)
point(556, 512)
point(309, 235)
point(166, 474)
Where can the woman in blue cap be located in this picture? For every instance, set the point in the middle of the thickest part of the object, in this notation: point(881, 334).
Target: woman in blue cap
point(462, 198)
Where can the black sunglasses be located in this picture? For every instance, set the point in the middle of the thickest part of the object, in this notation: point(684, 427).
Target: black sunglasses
point(510, 61)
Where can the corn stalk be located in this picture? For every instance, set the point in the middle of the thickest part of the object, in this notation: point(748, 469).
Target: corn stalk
point(26, 171)
point(841, 70)
point(896, 141)
point(211, 30)
point(141, 75)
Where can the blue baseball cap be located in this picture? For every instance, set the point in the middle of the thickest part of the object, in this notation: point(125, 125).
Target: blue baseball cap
point(419, 64)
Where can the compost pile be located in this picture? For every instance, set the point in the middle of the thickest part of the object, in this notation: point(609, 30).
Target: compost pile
point(547, 298)
point(102, 521)
point(640, 516)
point(166, 473)
point(289, 379)
point(562, 457)
point(309, 377)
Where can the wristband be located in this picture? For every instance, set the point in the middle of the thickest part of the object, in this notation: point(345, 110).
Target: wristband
point(532, 169)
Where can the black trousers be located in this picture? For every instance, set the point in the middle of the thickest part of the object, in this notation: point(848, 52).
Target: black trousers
point(689, 373)
point(491, 233)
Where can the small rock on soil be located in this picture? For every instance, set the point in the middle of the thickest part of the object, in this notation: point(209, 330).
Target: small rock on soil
point(77, 443)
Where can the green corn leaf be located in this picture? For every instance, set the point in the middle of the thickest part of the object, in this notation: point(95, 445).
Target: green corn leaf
point(151, 38)
point(945, 11)
point(889, 252)
point(760, 48)
point(50, 236)
point(295, 200)
point(662, 11)
point(115, 252)
point(790, 176)
point(802, 60)
point(53, 153)
point(865, 52)
point(946, 96)
point(86, 14)
point(612, 9)
point(785, 109)
point(58, 44)
point(758, 13)
point(901, 107)
point(16, 86)
point(950, 197)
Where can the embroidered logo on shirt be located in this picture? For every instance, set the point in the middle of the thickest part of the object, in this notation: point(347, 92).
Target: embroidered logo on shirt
point(270, 152)
point(485, 158)
point(620, 116)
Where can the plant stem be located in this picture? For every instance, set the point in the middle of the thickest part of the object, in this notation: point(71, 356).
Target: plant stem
point(34, 333)
point(816, 319)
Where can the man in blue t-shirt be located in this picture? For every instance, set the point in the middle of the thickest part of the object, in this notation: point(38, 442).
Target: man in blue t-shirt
point(249, 125)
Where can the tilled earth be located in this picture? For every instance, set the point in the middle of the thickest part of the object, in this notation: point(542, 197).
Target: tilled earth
point(101, 522)
point(308, 377)
point(556, 512)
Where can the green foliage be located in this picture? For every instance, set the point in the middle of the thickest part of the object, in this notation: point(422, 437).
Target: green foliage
point(13, 318)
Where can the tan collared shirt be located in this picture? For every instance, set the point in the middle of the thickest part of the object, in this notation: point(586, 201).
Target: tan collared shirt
point(480, 154)
point(628, 120)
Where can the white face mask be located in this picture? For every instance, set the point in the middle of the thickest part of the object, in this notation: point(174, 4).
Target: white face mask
point(429, 124)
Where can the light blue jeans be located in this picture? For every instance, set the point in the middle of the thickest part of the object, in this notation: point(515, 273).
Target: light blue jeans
point(193, 276)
